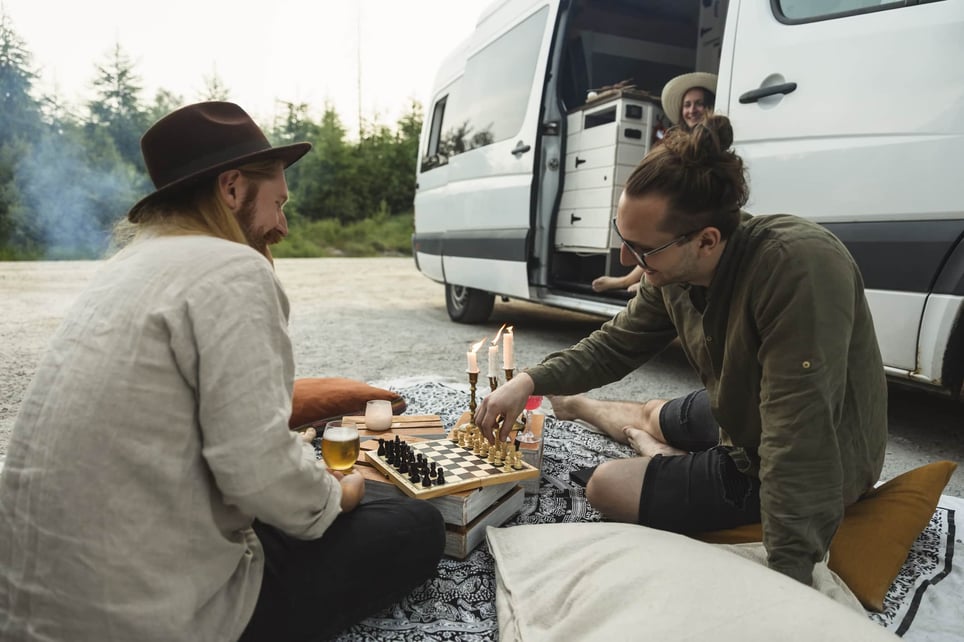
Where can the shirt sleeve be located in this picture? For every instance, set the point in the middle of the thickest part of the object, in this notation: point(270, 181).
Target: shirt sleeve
point(232, 340)
point(621, 345)
point(805, 332)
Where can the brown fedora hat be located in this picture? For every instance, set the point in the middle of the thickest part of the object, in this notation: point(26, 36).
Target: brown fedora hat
point(203, 140)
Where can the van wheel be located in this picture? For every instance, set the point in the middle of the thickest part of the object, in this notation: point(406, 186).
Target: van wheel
point(468, 305)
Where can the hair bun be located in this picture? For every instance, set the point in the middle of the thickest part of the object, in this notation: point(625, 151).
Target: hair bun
point(709, 142)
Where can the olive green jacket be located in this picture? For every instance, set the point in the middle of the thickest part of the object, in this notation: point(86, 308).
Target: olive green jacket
point(784, 343)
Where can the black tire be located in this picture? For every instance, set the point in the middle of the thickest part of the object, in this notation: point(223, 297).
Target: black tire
point(468, 305)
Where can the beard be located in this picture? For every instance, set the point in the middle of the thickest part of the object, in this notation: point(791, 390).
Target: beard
point(257, 239)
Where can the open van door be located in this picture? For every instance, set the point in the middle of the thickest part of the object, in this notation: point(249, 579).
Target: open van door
point(848, 112)
point(473, 229)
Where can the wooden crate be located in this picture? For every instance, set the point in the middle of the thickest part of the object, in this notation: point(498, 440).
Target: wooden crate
point(461, 540)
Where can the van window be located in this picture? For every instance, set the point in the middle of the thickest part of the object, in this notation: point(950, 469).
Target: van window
point(433, 157)
point(491, 104)
point(793, 11)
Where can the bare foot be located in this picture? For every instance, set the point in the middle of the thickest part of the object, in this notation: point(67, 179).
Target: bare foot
point(646, 445)
point(566, 408)
point(603, 283)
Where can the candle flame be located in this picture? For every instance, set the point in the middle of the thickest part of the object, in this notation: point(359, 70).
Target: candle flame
point(498, 334)
point(509, 329)
point(476, 346)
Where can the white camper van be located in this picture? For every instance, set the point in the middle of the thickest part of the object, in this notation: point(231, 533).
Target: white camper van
point(848, 112)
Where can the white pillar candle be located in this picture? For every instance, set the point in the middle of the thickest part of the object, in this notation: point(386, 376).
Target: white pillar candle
point(472, 361)
point(493, 350)
point(508, 362)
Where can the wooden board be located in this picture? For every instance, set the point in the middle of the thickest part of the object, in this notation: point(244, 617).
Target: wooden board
point(463, 469)
point(426, 426)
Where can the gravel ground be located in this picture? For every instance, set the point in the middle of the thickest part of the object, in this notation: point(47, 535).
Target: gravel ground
point(380, 320)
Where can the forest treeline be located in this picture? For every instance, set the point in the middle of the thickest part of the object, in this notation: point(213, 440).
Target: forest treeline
point(67, 174)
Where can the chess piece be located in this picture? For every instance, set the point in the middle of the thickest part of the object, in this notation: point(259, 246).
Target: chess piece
point(517, 460)
point(439, 478)
point(381, 447)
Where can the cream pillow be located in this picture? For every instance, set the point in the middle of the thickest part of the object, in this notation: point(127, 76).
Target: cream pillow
point(608, 581)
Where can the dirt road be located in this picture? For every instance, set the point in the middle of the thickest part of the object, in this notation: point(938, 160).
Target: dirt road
point(380, 320)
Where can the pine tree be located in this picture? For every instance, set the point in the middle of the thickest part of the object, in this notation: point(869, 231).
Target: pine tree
point(117, 107)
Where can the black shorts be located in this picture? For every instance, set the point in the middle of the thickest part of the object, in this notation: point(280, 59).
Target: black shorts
point(701, 491)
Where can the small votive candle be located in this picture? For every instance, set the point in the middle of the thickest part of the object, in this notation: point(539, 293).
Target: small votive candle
point(378, 415)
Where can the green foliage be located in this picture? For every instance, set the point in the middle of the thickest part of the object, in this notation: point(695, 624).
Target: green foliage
point(66, 178)
point(378, 235)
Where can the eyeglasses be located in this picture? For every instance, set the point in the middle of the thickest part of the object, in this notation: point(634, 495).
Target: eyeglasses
point(640, 256)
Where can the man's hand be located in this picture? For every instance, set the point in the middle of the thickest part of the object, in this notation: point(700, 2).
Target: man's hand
point(352, 489)
point(508, 401)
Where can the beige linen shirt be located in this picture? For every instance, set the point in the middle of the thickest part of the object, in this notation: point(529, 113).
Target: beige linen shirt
point(155, 430)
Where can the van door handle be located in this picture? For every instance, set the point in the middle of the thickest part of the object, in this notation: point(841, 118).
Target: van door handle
point(520, 149)
point(580, 161)
point(573, 218)
point(756, 94)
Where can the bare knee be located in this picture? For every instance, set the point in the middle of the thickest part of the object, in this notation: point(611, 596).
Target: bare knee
point(615, 487)
point(651, 410)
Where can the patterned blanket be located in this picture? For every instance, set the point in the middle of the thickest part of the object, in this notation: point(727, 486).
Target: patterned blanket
point(459, 604)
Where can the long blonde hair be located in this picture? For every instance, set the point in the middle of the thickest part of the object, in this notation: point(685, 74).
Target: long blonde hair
point(194, 209)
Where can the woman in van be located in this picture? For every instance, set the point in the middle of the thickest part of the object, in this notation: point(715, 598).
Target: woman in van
point(687, 99)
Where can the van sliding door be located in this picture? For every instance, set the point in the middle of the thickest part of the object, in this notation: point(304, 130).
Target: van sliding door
point(491, 133)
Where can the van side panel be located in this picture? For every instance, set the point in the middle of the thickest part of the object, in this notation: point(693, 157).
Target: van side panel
point(861, 139)
point(477, 213)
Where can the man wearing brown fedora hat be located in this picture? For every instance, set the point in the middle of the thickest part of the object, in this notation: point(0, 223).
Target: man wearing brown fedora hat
point(152, 489)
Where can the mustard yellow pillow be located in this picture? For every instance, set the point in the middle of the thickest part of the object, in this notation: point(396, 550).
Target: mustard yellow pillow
point(316, 400)
point(876, 533)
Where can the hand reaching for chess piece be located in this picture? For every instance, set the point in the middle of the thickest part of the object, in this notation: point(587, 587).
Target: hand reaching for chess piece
point(508, 400)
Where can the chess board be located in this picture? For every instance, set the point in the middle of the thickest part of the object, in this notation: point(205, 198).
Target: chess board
point(464, 470)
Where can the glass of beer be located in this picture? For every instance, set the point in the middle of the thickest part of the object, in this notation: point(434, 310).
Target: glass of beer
point(340, 445)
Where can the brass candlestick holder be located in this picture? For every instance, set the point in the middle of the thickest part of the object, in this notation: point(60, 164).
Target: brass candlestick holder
point(470, 424)
point(493, 383)
point(508, 375)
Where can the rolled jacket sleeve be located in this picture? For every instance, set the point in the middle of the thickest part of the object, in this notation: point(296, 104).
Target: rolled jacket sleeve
point(621, 345)
point(803, 353)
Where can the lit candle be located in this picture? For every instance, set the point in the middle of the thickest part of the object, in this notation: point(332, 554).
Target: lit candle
point(493, 350)
point(471, 358)
point(508, 362)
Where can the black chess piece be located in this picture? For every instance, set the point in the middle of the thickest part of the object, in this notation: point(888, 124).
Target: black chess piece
point(426, 481)
point(381, 447)
point(403, 466)
point(439, 478)
point(414, 478)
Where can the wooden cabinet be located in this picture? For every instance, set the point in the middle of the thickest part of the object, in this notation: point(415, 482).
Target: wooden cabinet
point(605, 141)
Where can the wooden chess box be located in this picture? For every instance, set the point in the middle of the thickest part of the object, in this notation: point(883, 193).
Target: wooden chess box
point(466, 512)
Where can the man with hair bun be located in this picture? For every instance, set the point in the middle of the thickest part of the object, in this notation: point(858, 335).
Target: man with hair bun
point(791, 425)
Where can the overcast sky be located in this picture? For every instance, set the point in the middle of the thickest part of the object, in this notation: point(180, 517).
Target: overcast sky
point(263, 52)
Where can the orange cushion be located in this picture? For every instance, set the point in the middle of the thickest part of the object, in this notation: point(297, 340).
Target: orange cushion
point(876, 533)
point(320, 399)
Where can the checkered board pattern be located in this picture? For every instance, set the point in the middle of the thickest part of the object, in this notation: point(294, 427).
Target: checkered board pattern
point(464, 469)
